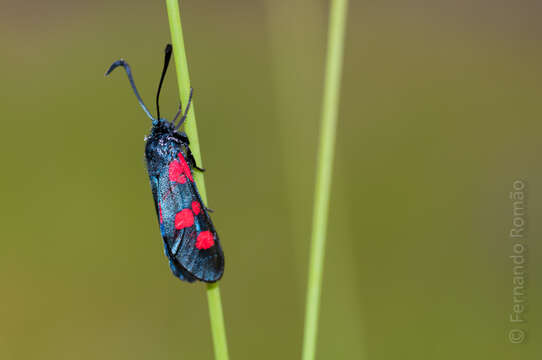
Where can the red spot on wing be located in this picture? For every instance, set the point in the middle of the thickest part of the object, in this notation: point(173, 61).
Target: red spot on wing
point(179, 170)
point(175, 171)
point(185, 168)
point(184, 219)
point(196, 208)
point(160, 211)
point(205, 240)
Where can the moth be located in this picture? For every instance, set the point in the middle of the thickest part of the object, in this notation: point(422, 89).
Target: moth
point(191, 243)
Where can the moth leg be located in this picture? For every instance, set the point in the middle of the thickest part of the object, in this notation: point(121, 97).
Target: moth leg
point(209, 209)
point(192, 161)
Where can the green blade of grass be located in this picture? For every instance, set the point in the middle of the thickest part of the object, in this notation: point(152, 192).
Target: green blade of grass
point(332, 82)
point(213, 291)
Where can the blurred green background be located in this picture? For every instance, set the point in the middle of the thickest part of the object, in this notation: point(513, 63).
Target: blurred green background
point(440, 113)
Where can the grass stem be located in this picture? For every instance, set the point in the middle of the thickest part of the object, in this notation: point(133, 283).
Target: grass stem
point(213, 291)
point(332, 82)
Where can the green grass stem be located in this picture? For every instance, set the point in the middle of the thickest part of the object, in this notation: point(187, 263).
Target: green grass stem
point(330, 106)
point(183, 79)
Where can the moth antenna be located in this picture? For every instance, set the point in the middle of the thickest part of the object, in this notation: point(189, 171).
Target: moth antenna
point(126, 67)
point(164, 69)
point(185, 110)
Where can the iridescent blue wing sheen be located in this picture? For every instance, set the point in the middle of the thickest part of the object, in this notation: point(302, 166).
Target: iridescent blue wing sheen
point(205, 261)
point(176, 268)
point(186, 226)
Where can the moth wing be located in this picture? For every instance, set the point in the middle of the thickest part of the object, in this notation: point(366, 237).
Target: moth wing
point(176, 269)
point(181, 226)
point(206, 263)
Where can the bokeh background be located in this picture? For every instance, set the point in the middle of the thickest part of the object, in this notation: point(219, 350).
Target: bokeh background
point(440, 113)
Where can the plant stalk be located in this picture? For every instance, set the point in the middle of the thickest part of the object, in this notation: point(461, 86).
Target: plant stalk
point(330, 107)
point(183, 80)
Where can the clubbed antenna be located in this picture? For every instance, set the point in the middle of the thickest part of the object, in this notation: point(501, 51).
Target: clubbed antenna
point(126, 67)
point(166, 63)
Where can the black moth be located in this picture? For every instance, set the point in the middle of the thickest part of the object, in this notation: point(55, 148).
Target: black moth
point(190, 241)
